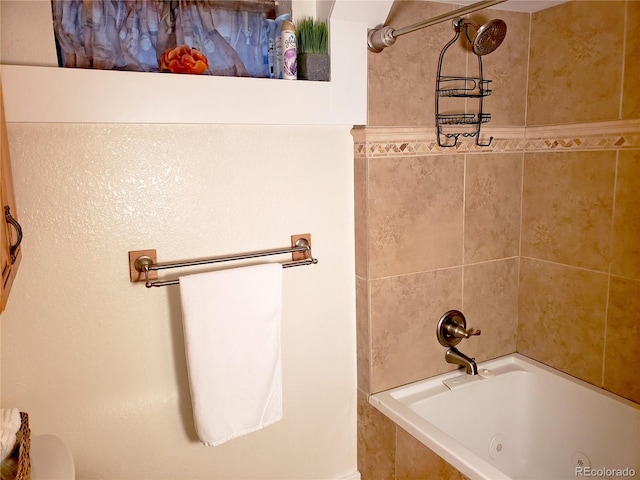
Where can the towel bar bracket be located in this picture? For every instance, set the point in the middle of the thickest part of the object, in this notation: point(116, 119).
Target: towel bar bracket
point(136, 265)
point(143, 265)
point(302, 240)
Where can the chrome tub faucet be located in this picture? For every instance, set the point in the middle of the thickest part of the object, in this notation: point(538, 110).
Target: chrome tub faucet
point(453, 355)
point(452, 329)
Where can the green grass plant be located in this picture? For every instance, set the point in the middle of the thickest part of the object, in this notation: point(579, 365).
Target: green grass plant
point(313, 36)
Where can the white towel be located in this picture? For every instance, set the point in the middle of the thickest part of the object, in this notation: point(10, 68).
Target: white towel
point(10, 423)
point(231, 322)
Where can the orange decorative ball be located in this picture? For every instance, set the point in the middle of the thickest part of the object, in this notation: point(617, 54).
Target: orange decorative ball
point(183, 59)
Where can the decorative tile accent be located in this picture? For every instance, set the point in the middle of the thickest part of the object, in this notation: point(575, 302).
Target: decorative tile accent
point(398, 141)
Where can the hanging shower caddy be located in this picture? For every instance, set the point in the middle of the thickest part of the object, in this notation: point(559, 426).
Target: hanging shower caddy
point(487, 38)
point(450, 126)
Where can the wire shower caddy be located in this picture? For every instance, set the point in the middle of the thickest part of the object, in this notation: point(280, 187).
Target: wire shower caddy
point(450, 126)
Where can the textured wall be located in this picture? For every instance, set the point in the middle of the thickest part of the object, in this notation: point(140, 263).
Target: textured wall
point(101, 363)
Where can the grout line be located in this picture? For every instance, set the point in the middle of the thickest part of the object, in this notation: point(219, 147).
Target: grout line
point(622, 62)
point(604, 340)
point(464, 221)
point(611, 235)
point(521, 205)
point(551, 262)
point(484, 262)
point(613, 210)
point(522, 159)
point(518, 302)
point(439, 269)
point(526, 86)
point(367, 216)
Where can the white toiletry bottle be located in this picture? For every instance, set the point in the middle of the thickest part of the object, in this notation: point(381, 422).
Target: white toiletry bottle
point(275, 34)
point(290, 51)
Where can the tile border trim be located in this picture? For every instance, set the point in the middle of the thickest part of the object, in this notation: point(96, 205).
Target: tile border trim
point(419, 141)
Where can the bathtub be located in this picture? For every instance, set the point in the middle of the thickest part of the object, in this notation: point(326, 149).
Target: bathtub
point(519, 419)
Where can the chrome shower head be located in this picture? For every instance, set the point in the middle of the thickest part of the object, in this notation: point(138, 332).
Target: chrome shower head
point(488, 37)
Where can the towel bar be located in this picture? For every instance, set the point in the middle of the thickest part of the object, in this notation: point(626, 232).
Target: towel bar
point(142, 263)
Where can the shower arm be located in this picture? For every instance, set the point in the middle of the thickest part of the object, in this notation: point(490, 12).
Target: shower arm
point(381, 37)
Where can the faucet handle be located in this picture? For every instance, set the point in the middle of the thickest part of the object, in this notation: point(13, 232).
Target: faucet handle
point(452, 328)
point(458, 332)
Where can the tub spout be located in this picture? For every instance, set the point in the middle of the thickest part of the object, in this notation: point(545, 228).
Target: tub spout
point(453, 355)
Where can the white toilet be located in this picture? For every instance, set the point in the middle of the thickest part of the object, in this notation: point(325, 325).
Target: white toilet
point(51, 459)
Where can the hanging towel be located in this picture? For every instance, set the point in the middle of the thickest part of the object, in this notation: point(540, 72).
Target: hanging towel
point(231, 321)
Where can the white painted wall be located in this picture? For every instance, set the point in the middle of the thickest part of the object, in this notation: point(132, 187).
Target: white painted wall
point(100, 362)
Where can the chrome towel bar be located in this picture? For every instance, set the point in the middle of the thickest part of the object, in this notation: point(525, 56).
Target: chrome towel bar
point(143, 265)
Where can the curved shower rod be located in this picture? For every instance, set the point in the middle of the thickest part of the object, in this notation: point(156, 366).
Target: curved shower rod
point(381, 37)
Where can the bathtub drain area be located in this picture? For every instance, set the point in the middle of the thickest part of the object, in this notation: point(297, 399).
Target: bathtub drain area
point(580, 460)
point(497, 447)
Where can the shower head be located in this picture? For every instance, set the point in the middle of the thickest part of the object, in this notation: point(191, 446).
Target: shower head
point(488, 37)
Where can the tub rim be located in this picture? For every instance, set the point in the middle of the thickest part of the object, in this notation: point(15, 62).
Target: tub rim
point(443, 444)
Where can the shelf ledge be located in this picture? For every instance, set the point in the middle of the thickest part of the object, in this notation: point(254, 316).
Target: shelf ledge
point(68, 95)
point(47, 94)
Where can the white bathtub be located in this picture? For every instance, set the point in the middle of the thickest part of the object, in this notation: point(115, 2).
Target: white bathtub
point(526, 422)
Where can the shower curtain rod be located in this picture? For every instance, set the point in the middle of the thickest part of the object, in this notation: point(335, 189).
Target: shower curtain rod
point(380, 37)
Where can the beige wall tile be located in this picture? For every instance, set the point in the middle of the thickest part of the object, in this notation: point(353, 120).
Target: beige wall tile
point(631, 86)
point(402, 78)
point(567, 207)
point(506, 67)
point(625, 254)
point(415, 214)
point(376, 442)
point(622, 351)
point(362, 337)
point(404, 313)
point(415, 461)
point(575, 63)
point(490, 301)
point(562, 317)
point(361, 216)
point(492, 206)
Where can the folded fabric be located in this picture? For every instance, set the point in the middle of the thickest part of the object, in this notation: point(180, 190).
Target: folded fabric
point(231, 321)
point(9, 425)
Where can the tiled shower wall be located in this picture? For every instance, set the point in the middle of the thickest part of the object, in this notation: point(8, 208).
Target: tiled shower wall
point(535, 238)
